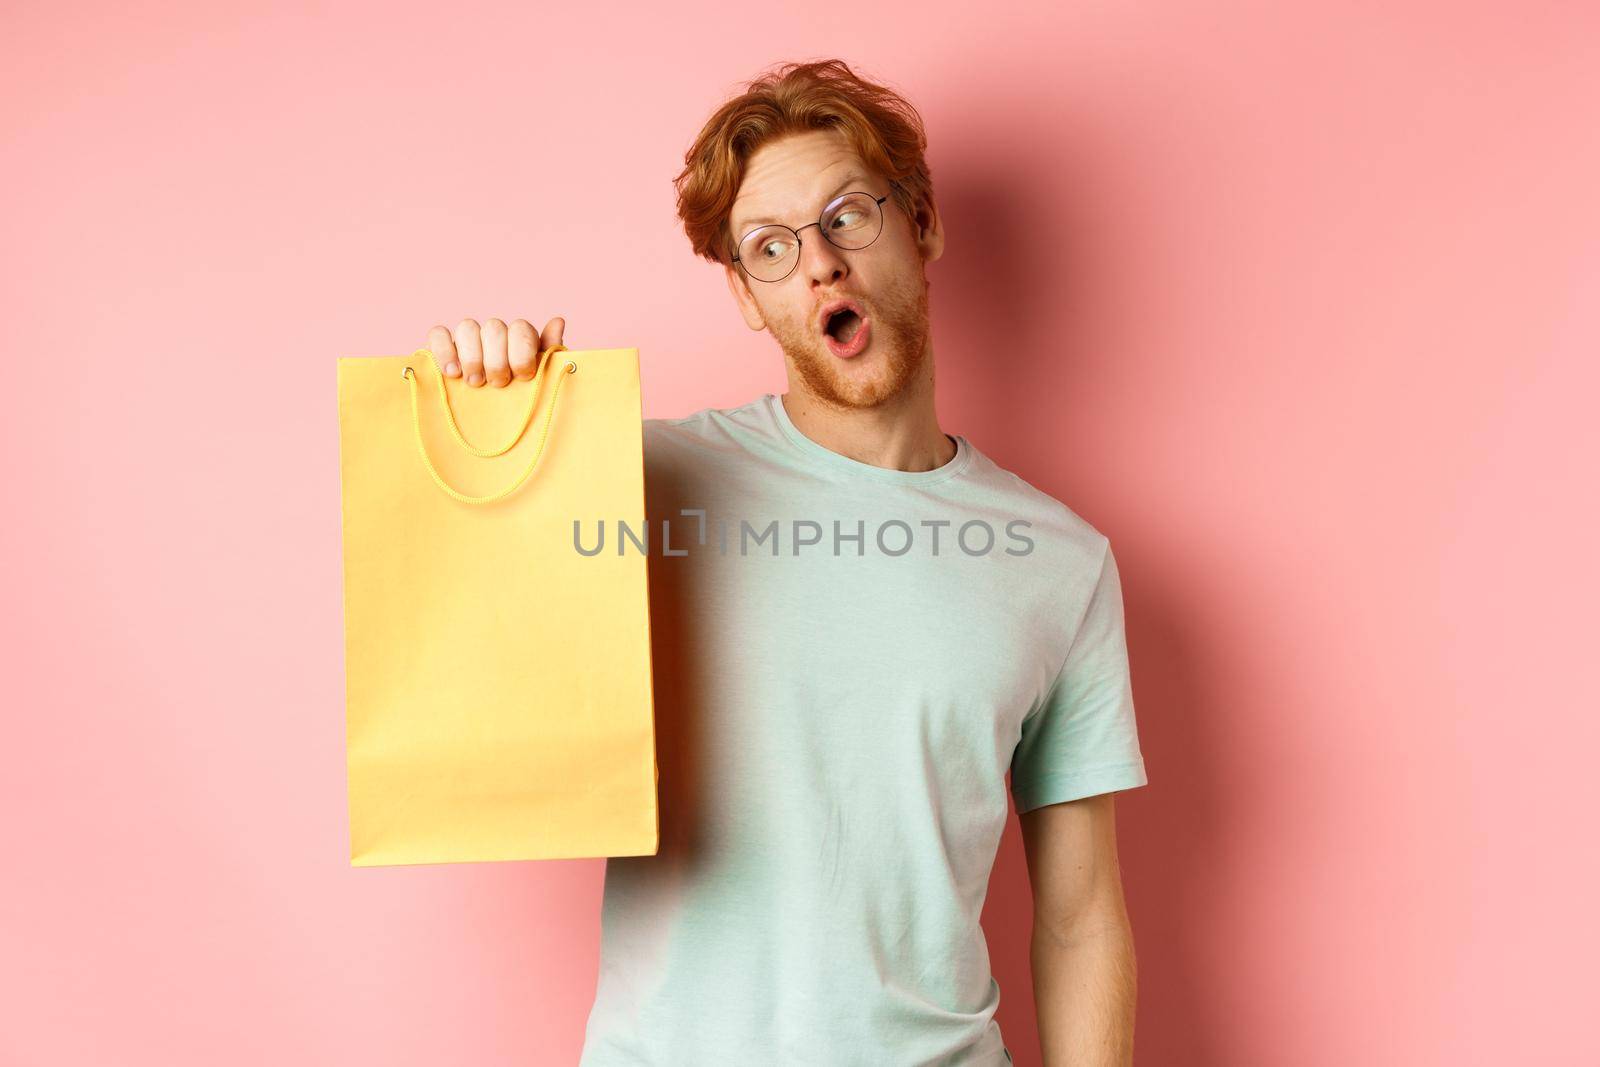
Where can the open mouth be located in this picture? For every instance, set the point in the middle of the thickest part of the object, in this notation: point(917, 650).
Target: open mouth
point(843, 324)
point(845, 328)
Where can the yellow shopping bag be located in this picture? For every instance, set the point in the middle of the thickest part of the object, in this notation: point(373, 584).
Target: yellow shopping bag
point(498, 701)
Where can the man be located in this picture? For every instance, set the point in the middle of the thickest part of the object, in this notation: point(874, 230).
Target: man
point(860, 623)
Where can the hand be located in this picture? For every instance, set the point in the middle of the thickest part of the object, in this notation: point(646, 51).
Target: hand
point(493, 353)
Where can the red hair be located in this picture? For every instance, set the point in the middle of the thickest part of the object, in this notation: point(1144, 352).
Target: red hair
point(882, 127)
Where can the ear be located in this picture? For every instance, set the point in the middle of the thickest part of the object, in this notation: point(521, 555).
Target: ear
point(929, 231)
point(744, 298)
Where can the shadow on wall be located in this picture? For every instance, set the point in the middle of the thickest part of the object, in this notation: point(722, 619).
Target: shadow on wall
point(1025, 305)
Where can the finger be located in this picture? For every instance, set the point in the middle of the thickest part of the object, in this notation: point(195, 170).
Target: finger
point(524, 349)
point(495, 367)
point(469, 348)
point(443, 348)
point(552, 333)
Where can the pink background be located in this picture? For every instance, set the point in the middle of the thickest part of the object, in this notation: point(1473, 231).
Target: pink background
point(1297, 303)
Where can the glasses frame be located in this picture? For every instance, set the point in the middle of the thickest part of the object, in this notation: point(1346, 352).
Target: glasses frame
point(799, 244)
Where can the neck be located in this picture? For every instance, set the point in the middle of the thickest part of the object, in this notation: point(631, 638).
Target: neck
point(902, 433)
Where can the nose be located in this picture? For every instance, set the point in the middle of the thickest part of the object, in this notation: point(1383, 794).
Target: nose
point(821, 260)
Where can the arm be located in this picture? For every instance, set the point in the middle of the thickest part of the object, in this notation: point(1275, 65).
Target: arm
point(1084, 972)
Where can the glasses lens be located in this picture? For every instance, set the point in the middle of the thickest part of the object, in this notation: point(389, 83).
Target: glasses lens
point(853, 221)
point(769, 253)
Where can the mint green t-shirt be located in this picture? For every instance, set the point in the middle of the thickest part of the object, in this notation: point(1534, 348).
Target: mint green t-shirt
point(848, 660)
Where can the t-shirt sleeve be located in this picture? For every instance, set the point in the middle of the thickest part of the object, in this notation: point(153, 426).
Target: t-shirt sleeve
point(1081, 740)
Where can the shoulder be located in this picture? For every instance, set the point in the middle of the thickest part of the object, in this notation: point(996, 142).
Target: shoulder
point(707, 421)
point(1056, 521)
point(710, 435)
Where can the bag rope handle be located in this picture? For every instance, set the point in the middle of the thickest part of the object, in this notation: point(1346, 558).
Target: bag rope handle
point(533, 405)
point(410, 375)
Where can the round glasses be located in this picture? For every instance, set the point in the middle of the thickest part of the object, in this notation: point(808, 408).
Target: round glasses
point(769, 253)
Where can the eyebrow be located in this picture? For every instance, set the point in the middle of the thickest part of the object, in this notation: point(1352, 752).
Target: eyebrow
point(748, 224)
